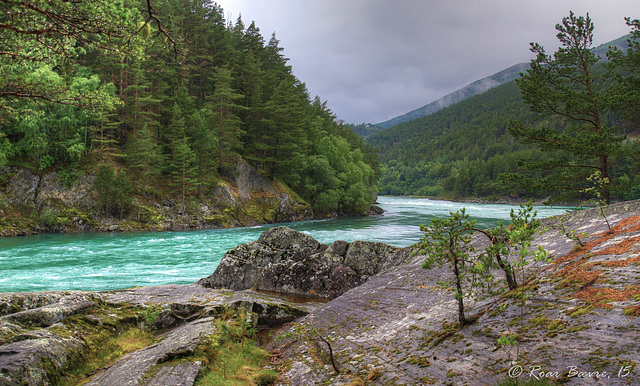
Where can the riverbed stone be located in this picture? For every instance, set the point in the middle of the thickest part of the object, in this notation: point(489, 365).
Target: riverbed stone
point(365, 257)
point(338, 247)
point(286, 261)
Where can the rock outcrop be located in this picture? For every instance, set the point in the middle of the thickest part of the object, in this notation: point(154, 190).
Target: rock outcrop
point(32, 203)
point(574, 322)
point(44, 335)
point(134, 368)
point(289, 262)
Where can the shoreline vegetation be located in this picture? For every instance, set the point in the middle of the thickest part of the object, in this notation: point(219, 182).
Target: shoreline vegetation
point(174, 122)
point(199, 327)
point(32, 203)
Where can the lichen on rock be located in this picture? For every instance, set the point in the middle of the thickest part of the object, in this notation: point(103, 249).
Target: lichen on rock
point(286, 261)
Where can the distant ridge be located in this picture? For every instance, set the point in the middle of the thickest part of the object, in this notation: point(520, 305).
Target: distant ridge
point(475, 88)
point(485, 84)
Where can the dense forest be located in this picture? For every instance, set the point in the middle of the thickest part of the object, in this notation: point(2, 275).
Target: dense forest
point(171, 109)
point(567, 129)
point(460, 151)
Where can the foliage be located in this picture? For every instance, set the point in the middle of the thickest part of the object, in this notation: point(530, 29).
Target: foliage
point(48, 217)
point(625, 68)
point(115, 93)
point(114, 190)
point(236, 358)
point(108, 351)
point(447, 242)
point(566, 85)
point(510, 245)
point(39, 36)
point(460, 151)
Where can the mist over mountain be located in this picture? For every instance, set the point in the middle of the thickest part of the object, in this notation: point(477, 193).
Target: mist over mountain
point(482, 85)
point(475, 88)
point(460, 144)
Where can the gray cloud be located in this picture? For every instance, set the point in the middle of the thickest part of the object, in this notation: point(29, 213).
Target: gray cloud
point(376, 59)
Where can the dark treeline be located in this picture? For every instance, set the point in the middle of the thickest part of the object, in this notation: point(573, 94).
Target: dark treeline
point(460, 151)
point(176, 118)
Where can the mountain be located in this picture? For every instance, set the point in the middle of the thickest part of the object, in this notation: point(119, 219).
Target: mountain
point(483, 85)
point(460, 150)
point(475, 88)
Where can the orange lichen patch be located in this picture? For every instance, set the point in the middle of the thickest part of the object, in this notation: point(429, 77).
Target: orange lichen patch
point(635, 227)
point(620, 248)
point(577, 276)
point(600, 297)
point(606, 236)
point(632, 311)
point(615, 263)
point(633, 220)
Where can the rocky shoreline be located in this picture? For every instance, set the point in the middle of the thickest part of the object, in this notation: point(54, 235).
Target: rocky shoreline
point(387, 320)
point(32, 203)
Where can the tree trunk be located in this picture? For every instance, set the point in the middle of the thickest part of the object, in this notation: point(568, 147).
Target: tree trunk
point(604, 174)
point(460, 295)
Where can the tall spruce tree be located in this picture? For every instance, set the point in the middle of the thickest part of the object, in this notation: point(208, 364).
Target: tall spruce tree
point(144, 155)
point(565, 86)
point(284, 140)
point(223, 104)
point(183, 165)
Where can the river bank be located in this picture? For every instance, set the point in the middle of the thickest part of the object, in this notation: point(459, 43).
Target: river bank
point(34, 203)
point(115, 260)
point(575, 320)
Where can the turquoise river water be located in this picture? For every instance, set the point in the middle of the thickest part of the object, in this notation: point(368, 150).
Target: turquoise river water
point(104, 261)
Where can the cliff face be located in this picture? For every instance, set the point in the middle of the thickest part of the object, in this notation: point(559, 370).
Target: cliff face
point(32, 203)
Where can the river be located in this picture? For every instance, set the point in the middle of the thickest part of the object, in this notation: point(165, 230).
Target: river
point(105, 261)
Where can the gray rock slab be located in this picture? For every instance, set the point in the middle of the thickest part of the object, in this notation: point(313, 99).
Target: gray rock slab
point(26, 361)
point(181, 374)
point(390, 325)
point(132, 368)
point(195, 300)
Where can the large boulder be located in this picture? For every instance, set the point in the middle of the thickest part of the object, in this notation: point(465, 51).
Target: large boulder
point(289, 262)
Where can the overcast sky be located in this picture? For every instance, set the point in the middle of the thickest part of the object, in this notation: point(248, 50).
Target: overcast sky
point(373, 60)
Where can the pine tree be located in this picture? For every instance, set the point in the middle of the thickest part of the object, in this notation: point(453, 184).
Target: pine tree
point(204, 142)
point(144, 155)
point(251, 85)
point(183, 168)
point(284, 142)
point(625, 68)
point(565, 86)
point(223, 104)
point(141, 104)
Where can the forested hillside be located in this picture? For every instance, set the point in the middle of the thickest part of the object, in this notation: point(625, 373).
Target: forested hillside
point(475, 88)
point(460, 151)
point(169, 111)
point(483, 146)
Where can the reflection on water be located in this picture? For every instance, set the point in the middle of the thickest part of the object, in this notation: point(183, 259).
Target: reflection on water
point(102, 261)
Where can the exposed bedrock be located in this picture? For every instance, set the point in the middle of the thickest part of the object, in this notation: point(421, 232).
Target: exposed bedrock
point(289, 262)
